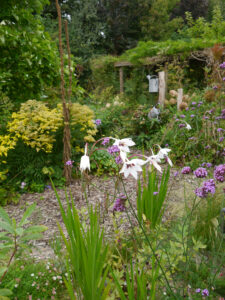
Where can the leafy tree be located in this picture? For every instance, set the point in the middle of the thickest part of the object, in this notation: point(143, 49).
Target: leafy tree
point(158, 25)
point(28, 61)
point(196, 8)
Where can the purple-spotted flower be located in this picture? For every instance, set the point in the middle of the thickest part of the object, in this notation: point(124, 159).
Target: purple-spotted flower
point(132, 167)
point(124, 144)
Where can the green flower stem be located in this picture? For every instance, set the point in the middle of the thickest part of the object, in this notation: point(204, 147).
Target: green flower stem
point(150, 245)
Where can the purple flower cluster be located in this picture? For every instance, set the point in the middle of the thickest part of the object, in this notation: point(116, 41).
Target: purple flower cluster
point(118, 160)
point(186, 170)
point(105, 141)
point(181, 125)
point(113, 149)
point(205, 292)
point(219, 173)
point(201, 172)
point(222, 66)
point(209, 186)
point(98, 122)
point(119, 204)
point(69, 163)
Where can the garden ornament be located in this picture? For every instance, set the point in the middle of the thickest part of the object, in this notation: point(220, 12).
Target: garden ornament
point(153, 83)
point(154, 113)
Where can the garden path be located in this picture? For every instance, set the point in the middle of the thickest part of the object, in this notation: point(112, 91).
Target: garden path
point(47, 210)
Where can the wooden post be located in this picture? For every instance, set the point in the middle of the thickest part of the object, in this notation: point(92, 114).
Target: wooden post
point(162, 88)
point(179, 98)
point(121, 80)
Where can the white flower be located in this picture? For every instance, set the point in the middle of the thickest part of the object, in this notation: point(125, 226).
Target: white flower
point(132, 167)
point(163, 153)
point(32, 275)
point(85, 161)
point(154, 159)
point(124, 144)
point(188, 127)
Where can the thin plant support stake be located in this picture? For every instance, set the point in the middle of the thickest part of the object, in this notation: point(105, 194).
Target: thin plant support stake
point(66, 132)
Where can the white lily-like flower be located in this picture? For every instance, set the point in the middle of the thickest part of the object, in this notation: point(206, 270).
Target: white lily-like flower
point(188, 126)
point(124, 144)
point(154, 160)
point(85, 161)
point(163, 153)
point(132, 167)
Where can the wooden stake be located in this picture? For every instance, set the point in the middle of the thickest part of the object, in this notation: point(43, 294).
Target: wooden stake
point(162, 88)
point(179, 98)
point(121, 80)
point(69, 62)
point(66, 132)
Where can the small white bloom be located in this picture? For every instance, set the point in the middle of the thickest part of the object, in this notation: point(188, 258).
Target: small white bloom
point(32, 275)
point(132, 167)
point(124, 144)
point(54, 277)
point(188, 126)
point(163, 153)
point(85, 161)
point(16, 285)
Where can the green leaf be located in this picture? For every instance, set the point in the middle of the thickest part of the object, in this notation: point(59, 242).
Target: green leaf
point(5, 292)
point(32, 236)
point(35, 229)
point(27, 214)
point(5, 217)
point(7, 227)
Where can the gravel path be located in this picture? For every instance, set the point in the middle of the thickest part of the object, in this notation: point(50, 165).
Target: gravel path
point(100, 195)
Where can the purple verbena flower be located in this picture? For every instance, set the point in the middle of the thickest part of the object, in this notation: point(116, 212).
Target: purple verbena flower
point(207, 147)
point(186, 170)
point(182, 116)
point(113, 149)
point(181, 125)
point(208, 165)
point(176, 174)
point(223, 78)
point(201, 172)
point(205, 292)
point(155, 193)
point(219, 173)
point(198, 291)
point(69, 163)
point(193, 103)
point(119, 204)
point(192, 116)
point(105, 141)
point(222, 66)
point(215, 87)
point(98, 122)
point(118, 160)
point(220, 129)
point(208, 187)
point(221, 139)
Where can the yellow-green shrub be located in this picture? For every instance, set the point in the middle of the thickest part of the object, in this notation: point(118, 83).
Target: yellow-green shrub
point(36, 124)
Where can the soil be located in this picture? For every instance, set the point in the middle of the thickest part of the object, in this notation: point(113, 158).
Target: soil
point(101, 195)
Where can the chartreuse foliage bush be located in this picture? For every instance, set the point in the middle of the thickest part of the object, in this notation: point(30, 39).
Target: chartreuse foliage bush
point(31, 145)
